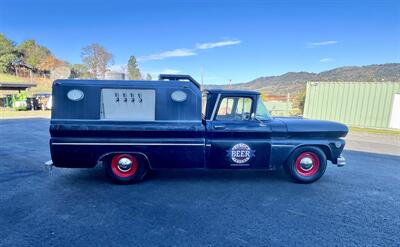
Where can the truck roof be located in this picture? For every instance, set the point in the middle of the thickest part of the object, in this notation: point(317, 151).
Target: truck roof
point(94, 82)
point(238, 92)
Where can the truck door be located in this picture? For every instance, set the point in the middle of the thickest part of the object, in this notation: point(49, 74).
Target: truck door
point(235, 139)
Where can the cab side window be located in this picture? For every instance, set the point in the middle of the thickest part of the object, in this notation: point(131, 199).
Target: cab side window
point(225, 109)
point(234, 108)
point(243, 109)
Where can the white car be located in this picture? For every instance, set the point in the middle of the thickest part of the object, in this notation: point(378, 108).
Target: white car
point(49, 104)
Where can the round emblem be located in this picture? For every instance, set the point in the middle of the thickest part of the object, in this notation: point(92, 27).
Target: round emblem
point(240, 153)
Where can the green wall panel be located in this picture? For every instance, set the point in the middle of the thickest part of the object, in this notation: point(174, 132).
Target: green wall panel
point(364, 104)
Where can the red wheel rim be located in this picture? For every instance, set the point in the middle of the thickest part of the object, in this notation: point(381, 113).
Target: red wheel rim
point(116, 166)
point(303, 165)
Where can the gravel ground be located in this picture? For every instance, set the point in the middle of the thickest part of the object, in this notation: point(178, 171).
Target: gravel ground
point(355, 205)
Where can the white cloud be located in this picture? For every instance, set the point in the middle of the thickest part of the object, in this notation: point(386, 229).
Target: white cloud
point(326, 59)
point(211, 45)
point(322, 43)
point(183, 52)
point(167, 54)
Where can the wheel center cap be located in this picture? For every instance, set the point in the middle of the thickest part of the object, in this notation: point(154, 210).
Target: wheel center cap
point(306, 163)
point(124, 164)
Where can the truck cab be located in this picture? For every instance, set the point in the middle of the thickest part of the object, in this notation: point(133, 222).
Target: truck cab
point(236, 117)
point(134, 126)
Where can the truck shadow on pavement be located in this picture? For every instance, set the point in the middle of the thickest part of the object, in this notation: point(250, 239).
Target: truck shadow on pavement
point(216, 175)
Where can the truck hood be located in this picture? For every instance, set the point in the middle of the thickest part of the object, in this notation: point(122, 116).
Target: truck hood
point(314, 128)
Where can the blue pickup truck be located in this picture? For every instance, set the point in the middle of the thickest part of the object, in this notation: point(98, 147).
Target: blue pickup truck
point(132, 127)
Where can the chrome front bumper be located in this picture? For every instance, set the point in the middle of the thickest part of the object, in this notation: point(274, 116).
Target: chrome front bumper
point(341, 161)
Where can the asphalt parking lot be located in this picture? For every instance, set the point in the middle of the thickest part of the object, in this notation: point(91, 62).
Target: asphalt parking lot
point(355, 205)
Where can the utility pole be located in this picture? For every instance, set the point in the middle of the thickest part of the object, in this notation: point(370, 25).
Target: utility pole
point(230, 83)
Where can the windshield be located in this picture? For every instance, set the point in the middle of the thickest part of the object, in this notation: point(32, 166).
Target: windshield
point(262, 112)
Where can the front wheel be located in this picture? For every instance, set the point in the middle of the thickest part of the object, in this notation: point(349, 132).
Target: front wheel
point(306, 164)
point(126, 168)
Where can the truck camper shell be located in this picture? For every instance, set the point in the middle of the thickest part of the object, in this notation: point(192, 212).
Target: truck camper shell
point(92, 106)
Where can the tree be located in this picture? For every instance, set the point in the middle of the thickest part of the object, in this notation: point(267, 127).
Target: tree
point(6, 62)
point(133, 69)
point(96, 58)
point(298, 103)
point(79, 71)
point(33, 54)
point(8, 54)
point(49, 63)
point(148, 77)
point(61, 72)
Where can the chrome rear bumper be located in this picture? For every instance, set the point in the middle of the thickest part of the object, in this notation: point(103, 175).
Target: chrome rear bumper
point(48, 165)
point(341, 161)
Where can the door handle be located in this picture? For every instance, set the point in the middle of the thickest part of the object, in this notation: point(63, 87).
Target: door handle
point(219, 127)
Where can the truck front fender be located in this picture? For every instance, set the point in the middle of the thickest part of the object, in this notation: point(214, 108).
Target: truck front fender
point(280, 152)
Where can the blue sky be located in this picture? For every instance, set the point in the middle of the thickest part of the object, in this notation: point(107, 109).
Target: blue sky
point(238, 40)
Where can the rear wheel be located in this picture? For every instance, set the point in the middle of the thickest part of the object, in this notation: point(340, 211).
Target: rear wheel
point(306, 164)
point(125, 168)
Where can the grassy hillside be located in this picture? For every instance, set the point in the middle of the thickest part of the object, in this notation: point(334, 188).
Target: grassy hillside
point(42, 84)
point(12, 78)
point(293, 82)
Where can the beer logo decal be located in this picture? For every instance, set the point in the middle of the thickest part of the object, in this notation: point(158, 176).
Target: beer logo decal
point(240, 153)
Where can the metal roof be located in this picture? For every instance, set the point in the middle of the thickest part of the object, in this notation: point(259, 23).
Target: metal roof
point(15, 86)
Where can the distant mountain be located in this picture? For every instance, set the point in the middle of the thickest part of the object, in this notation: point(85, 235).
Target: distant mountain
point(293, 82)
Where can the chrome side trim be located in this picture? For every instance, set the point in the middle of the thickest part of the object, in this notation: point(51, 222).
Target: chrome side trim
point(215, 107)
point(283, 145)
point(124, 121)
point(125, 144)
